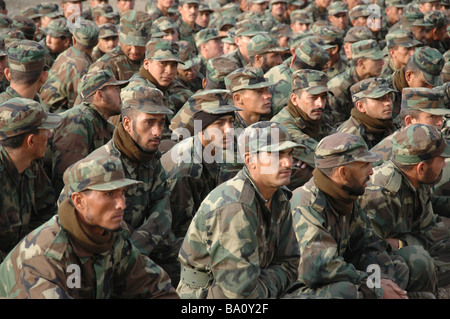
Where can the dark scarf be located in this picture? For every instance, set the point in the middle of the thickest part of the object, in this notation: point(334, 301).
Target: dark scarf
point(312, 127)
point(338, 197)
point(146, 75)
point(127, 146)
point(79, 234)
point(374, 126)
point(398, 78)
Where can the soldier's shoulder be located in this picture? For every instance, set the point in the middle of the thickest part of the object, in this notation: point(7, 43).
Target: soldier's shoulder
point(386, 177)
point(179, 161)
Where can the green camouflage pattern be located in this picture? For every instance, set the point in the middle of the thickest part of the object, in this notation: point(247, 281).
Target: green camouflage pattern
point(217, 69)
point(86, 33)
point(418, 143)
point(248, 28)
point(222, 244)
point(312, 53)
point(331, 35)
point(25, 25)
point(430, 62)
point(144, 99)
point(401, 37)
point(134, 28)
point(107, 30)
point(103, 10)
point(164, 23)
point(26, 56)
point(97, 80)
point(337, 7)
point(366, 49)
point(50, 10)
point(31, 12)
point(187, 33)
point(358, 33)
point(312, 81)
point(301, 16)
point(162, 51)
point(246, 78)
point(425, 100)
point(263, 43)
point(437, 18)
point(58, 28)
point(186, 56)
point(205, 35)
point(5, 22)
point(394, 3)
point(372, 88)
point(413, 18)
point(358, 11)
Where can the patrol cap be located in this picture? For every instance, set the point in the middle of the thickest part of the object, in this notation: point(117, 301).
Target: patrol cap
point(187, 55)
point(218, 68)
point(96, 80)
point(50, 10)
point(58, 28)
point(337, 7)
point(430, 62)
point(181, 2)
point(103, 10)
point(301, 16)
point(372, 88)
point(31, 12)
point(26, 56)
point(248, 28)
point(263, 43)
point(401, 37)
point(246, 78)
point(343, 148)
point(417, 143)
point(312, 81)
point(331, 35)
point(358, 33)
point(204, 7)
point(266, 136)
point(134, 28)
point(24, 24)
point(86, 33)
point(366, 49)
point(312, 54)
point(205, 35)
point(107, 30)
point(437, 18)
point(21, 115)
point(413, 19)
point(165, 23)
point(394, 3)
point(427, 100)
point(144, 99)
point(162, 50)
point(280, 30)
point(359, 11)
point(100, 173)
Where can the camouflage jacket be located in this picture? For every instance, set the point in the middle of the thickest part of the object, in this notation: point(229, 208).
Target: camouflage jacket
point(40, 267)
point(399, 210)
point(83, 129)
point(147, 211)
point(187, 33)
point(10, 93)
point(61, 88)
point(334, 247)
point(27, 201)
point(248, 250)
point(317, 14)
point(120, 65)
point(190, 179)
point(237, 58)
point(339, 67)
point(281, 91)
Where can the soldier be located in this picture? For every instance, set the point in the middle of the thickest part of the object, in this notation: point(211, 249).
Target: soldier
point(355, 34)
point(338, 15)
point(103, 13)
point(168, 27)
point(209, 45)
point(393, 10)
point(305, 121)
point(337, 244)
point(135, 142)
point(193, 165)
point(26, 71)
point(308, 55)
point(88, 13)
point(85, 127)
point(188, 72)
point(88, 223)
point(334, 38)
point(397, 201)
point(300, 21)
point(371, 116)
point(427, 5)
point(58, 39)
point(158, 8)
point(125, 5)
point(401, 45)
point(49, 12)
point(126, 59)
point(108, 39)
point(367, 61)
point(188, 10)
point(319, 9)
point(277, 12)
point(60, 90)
point(3, 65)
point(247, 222)
point(264, 52)
point(27, 196)
point(204, 15)
point(259, 6)
point(437, 37)
point(251, 94)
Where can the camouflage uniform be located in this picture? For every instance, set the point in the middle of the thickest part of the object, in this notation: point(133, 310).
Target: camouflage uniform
point(134, 29)
point(372, 130)
point(190, 175)
point(341, 100)
point(27, 198)
point(83, 128)
point(106, 30)
point(235, 246)
point(337, 245)
point(60, 90)
point(439, 20)
point(57, 28)
point(308, 52)
point(25, 25)
point(399, 210)
point(187, 32)
point(261, 44)
point(317, 13)
point(333, 36)
point(313, 82)
point(190, 61)
point(201, 37)
point(40, 265)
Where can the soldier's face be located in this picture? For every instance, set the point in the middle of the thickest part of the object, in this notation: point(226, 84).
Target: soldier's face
point(357, 177)
point(258, 7)
point(429, 119)
point(57, 45)
point(428, 6)
point(112, 99)
point(312, 105)
point(187, 75)
point(172, 35)
point(401, 55)
point(203, 19)
point(107, 44)
point(188, 12)
point(432, 170)
point(416, 80)
point(352, 3)
point(212, 48)
point(165, 3)
point(271, 59)
point(373, 67)
point(323, 3)
point(99, 20)
point(419, 33)
point(133, 52)
point(227, 48)
point(339, 20)
point(256, 101)
point(278, 9)
point(380, 108)
point(298, 27)
point(220, 132)
point(40, 143)
point(146, 130)
point(393, 14)
point(164, 72)
point(242, 42)
point(125, 5)
point(103, 209)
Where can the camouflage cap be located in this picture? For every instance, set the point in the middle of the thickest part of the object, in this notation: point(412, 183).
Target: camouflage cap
point(96, 80)
point(248, 28)
point(156, 33)
point(181, 2)
point(187, 55)
point(50, 10)
point(26, 56)
point(394, 3)
point(430, 62)
point(31, 12)
point(10, 36)
point(134, 28)
point(204, 7)
point(205, 35)
point(218, 68)
point(246, 78)
point(358, 33)
point(372, 88)
point(98, 173)
point(312, 54)
point(301, 16)
point(429, 100)
point(107, 30)
point(230, 36)
point(222, 21)
point(265, 136)
point(413, 19)
point(417, 143)
point(144, 99)
point(437, 18)
point(401, 37)
point(280, 30)
point(24, 24)
point(165, 23)
point(297, 38)
point(103, 10)
point(163, 50)
point(58, 28)
point(263, 43)
point(86, 33)
point(359, 11)
point(342, 148)
point(214, 102)
point(366, 49)
point(337, 7)
point(5, 21)
point(331, 35)
point(312, 81)
point(20, 115)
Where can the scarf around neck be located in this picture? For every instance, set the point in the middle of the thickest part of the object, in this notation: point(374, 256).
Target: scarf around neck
point(146, 75)
point(372, 125)
point(312, 127)
point(127, 146)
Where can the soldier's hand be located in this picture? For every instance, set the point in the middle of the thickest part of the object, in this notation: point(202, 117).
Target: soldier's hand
point(300, 164)
point(393, 242)
point(391, 290)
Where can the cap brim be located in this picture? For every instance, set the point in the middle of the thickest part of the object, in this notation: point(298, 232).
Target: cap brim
point(189, 63)
point(52, 121)
point(258, 85)
point(125, 182)
point(317, 89)
point(281, 147)
point(436, 111)
point(150, 109)
point(434, 80)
